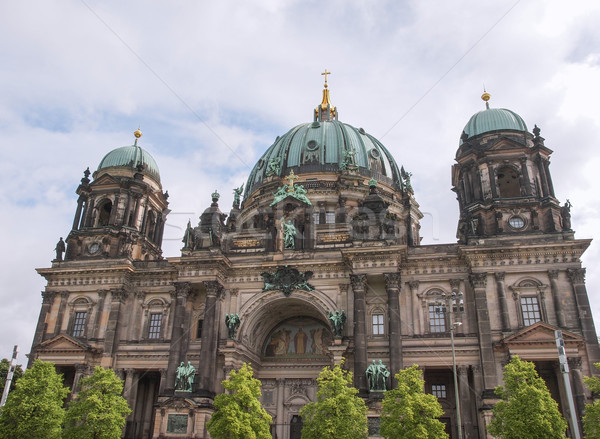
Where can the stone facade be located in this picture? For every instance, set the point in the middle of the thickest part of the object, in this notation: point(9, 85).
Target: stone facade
point(515, 275)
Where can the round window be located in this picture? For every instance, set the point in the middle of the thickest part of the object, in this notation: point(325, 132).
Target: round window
point(375, 154)
point(312, 145)
point(516, 222)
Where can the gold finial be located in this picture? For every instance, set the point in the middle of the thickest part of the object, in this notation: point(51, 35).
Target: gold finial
point(326, 73)
point(137, 133)
point(486, 97)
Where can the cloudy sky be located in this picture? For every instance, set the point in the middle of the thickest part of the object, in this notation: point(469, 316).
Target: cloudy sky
point(213, 83)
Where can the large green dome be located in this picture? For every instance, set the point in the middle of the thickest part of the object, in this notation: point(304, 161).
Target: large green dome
point(324, 146)
point(130, 157)
point(493, 119)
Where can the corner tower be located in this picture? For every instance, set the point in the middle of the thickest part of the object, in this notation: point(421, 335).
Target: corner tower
point(122, 212)
point(502, 179)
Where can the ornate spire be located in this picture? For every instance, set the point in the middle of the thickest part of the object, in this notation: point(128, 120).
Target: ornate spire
point(325, 110)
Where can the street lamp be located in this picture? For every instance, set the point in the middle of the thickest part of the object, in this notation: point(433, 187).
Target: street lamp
point(451, 305)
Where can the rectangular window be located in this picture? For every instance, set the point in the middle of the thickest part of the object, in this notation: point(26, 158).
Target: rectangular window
point(531, 310)
point(378, 324)
point(79, 323)
point(154, 326)
point(330, 217)
point(199, 329)
point(316, 218)
point(437, 319)
point(438, 390)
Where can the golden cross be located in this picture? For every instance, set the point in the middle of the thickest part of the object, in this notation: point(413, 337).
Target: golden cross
point(326, 73)
point(291, 179)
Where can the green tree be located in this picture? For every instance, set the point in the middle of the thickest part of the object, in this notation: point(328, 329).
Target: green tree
point(591, 418)
point(34, 410)
point(18, 373)
point(408, 412)
point(99, 411)
point(527, 410)
point(239, 414)
point(338, 412)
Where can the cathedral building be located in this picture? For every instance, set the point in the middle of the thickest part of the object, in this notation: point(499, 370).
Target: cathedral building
point(318, 259)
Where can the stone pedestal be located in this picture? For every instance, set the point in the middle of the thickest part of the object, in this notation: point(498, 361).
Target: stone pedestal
point(182, 415)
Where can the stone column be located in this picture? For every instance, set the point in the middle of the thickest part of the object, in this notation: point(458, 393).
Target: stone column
point(414, 300)
point(392, 283)
point(360, 333)
point(111, 338)
point(501, 289)
point(77, 217)
point(99, 312)
point(525, 174)
point(64, 297)
point(558, 309)
point(465, 401)
point(113, 213)
point(493, 180)
point(182, 291)
point(542, 172)
point(136, 318)
point(548, 177)
point(81, 370)
point(208, 349)
point(486, 351)
point(40, 330)
point(162, 385)
point(584, 312)
point(578, 385)
point(88, 213)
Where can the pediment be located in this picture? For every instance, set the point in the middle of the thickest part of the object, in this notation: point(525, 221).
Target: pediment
point(540, 333)
point(63, 342)
point(505, 143)
point(104, 179)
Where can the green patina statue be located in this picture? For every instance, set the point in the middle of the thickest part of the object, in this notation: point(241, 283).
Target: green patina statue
point(289, 235)
point(377, 374)
point(184, 378)
point(338, 320)
point(233, 323)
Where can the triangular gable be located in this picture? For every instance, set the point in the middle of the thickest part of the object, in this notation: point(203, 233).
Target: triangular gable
point(104, 179)
point(538, 342)
point(540, 332)
point(63, 342)
point(504, 143)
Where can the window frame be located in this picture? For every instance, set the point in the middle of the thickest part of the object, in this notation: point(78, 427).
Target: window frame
point(380, 324)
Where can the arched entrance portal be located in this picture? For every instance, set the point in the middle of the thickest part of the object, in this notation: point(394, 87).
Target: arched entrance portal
point(291, 338)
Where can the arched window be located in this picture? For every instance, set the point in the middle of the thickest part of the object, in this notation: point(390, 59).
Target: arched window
point(104, 211)
point(508, 182)
point(151, 225)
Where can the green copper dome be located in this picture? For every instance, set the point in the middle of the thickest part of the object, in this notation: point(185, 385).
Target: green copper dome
point(493, 119)
point(325, 146)
point(130, 157)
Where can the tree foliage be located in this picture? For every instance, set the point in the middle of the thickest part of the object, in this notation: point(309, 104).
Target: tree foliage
point(408, 412)
point(18, 373)
point(239, 414)
point(338, 412)
point(34, 410)
point(591, 418)
point(99, 411)
point(527, 410)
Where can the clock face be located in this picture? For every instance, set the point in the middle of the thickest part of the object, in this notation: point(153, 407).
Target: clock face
point(516, 222)
point(94, 247)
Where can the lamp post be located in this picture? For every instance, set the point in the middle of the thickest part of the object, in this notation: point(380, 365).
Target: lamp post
point(451, 305)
